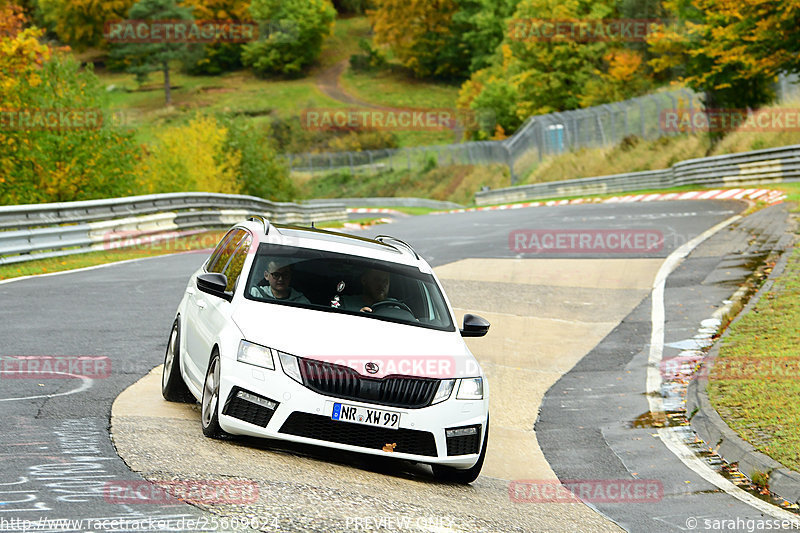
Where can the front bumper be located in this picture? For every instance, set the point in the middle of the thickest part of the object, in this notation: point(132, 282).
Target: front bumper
point(267, 403)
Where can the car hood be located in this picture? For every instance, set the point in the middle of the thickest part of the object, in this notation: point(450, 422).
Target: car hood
point(354, 341)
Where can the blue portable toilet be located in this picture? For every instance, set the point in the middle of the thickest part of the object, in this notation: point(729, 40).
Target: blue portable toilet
point(555, 137)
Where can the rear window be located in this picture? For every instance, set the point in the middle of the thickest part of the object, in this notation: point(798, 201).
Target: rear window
point(341, 283)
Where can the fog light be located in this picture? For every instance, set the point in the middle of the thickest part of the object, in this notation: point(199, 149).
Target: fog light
point(263, 402)
point(461, 432)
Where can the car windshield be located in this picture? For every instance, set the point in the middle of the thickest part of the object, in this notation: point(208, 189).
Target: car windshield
point(341, 283)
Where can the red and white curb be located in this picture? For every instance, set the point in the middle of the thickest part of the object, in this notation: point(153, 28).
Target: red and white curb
point(769, 196)
point(357, 226)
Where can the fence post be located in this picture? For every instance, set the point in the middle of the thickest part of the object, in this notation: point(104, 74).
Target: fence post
point(658, 118)
point(510, 163)
point(642, 122)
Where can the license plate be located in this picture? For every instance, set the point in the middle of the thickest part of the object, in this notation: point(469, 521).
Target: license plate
point(366, 416)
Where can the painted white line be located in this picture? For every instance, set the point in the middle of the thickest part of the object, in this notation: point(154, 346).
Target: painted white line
point(86, 385)
point(669, 436)
point(758, 193)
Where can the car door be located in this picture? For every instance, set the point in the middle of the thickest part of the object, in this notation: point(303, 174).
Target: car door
point(217, 313)
point(195, 334)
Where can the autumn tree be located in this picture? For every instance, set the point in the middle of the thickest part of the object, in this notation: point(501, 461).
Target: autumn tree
point(81, 23)
point(535, 73)
point(731, 52)
point(12, 19)
point(293, 35)
point(217, 57)
point(417, 31)
point(40, 162)
point(191, 157)
point(142, 59)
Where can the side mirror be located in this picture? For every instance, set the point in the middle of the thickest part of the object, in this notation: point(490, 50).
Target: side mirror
point(475, 326)
point(214, 284)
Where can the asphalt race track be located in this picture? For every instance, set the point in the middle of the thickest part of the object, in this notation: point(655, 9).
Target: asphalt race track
point(57, 454)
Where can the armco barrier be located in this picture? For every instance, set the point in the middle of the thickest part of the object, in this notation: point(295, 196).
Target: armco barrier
point(772, 165)
point(50, 230)
point(386, 202)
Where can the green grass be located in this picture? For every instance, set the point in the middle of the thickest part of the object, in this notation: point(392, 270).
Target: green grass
point(636, 154)
point(243, 92)
point(340, 224)
point(236, 92)
point(392, 89)
point(201, 241)
point(343, 42)
point(454, 183)
point(764, 408)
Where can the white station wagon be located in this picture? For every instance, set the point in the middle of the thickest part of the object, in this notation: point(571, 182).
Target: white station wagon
point(328, 339)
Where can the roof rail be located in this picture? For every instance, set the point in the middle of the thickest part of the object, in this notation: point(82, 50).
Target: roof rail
point(259, 218)
point(381, 238)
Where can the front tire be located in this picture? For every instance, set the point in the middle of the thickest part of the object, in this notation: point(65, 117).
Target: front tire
point(173, 388)
point(463, 476)
point(209, 413)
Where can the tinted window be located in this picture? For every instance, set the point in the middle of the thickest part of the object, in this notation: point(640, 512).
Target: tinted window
point(348, 284)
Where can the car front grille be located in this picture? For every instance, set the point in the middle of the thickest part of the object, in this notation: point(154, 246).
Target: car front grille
point(323, 428)
point(344, 382)
point(248, 410)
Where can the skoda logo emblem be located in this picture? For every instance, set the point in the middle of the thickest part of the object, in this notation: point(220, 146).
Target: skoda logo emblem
point(371, 367)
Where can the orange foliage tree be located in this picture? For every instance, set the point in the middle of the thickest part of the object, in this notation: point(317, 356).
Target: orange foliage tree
point(416, 31)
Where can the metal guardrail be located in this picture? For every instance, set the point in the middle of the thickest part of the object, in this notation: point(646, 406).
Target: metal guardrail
point(771, 165)
point(382, 201)
point(51, 230)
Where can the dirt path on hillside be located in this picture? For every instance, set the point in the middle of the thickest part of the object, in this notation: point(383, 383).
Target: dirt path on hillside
point(328, 83)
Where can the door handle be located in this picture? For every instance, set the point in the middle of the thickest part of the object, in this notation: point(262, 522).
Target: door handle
point(190, 291)
point(201, 304)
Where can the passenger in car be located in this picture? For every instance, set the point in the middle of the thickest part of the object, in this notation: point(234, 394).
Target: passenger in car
point(279, 279)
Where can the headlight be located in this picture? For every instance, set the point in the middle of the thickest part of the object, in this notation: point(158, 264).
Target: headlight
point(444, 390)
point(290, 366)
point(470, 389)
point(255, 354)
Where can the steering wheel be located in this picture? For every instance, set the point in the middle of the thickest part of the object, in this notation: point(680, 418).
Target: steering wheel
point(391, 303)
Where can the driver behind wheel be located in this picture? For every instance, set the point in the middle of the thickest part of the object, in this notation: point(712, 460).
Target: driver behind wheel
point(375, 283)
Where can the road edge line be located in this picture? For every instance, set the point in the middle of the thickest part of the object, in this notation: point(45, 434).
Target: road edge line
point(653, 383)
